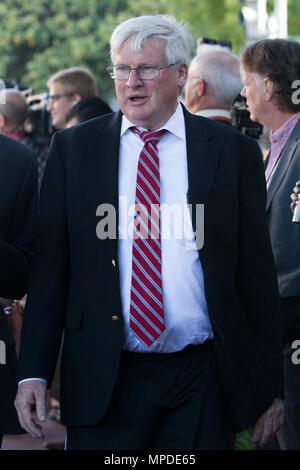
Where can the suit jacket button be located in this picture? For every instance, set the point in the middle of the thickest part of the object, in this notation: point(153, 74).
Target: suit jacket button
point(113, 262)
point(115, 318)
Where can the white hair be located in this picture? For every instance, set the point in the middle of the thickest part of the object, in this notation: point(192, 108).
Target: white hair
point(220, 69)
point(178, 39)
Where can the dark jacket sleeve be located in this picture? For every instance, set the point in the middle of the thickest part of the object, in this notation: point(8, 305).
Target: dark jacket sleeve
point(18, 213)
point(48, 286)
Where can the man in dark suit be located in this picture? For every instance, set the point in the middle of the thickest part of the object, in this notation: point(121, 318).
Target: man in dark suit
point(18, 212)
point(167, 342)
point(270, 70)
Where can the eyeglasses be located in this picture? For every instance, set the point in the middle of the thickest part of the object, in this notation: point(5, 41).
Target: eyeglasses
point(56, 97)
point(145, 72)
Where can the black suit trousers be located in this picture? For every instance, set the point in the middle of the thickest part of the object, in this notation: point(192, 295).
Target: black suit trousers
point(161, 401)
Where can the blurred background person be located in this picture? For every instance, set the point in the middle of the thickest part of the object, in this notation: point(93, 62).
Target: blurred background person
point(18, 212)
point(66, 88)
point(86, 109)
point(269, 69)
point(213, 82)
point(14, 113)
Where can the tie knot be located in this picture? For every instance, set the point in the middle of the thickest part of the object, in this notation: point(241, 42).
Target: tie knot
point(148, 136)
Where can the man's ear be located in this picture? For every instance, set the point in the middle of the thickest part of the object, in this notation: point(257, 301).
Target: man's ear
point(268, 89)
point(2, 122)
point(182, 75)
point(201, 87)
point(76, 98)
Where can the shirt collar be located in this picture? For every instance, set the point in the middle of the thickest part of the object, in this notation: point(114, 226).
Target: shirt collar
point(282, 134)
point(213, 112)
point(175, 125)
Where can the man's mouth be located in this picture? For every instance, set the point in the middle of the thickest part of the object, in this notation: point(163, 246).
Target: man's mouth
point(137, 99)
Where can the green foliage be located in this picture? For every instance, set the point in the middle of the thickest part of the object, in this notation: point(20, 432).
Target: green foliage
point(40, 37)
point(216, 19)
point(270, 6)
point(294, 18)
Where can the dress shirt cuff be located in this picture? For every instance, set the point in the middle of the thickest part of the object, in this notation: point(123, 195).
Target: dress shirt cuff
point(33, 378)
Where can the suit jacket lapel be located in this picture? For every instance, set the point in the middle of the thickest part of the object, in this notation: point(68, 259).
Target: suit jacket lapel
point(283, 164)
point(202, 155)
point(104, 145)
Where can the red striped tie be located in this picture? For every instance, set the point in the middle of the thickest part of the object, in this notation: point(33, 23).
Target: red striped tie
point(146, 298)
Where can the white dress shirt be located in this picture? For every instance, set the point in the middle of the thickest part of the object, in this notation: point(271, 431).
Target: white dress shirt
point(185, 310)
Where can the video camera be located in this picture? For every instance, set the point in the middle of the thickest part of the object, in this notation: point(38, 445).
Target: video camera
point(215, 42)
point(240, 118)
point(39, 123)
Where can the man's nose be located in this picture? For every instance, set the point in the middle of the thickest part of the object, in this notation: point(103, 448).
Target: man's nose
point(243, 93)
point(133, 79)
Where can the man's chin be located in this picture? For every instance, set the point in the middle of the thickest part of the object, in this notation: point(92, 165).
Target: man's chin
point(138, 118)
point(253, 117)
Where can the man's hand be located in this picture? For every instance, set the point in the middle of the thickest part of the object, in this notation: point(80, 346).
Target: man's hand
point(30, 403)
point(294, 195)
point(269, 423)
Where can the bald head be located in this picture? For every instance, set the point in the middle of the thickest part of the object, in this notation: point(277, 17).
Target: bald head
point(214, 79)
point(13, 110)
